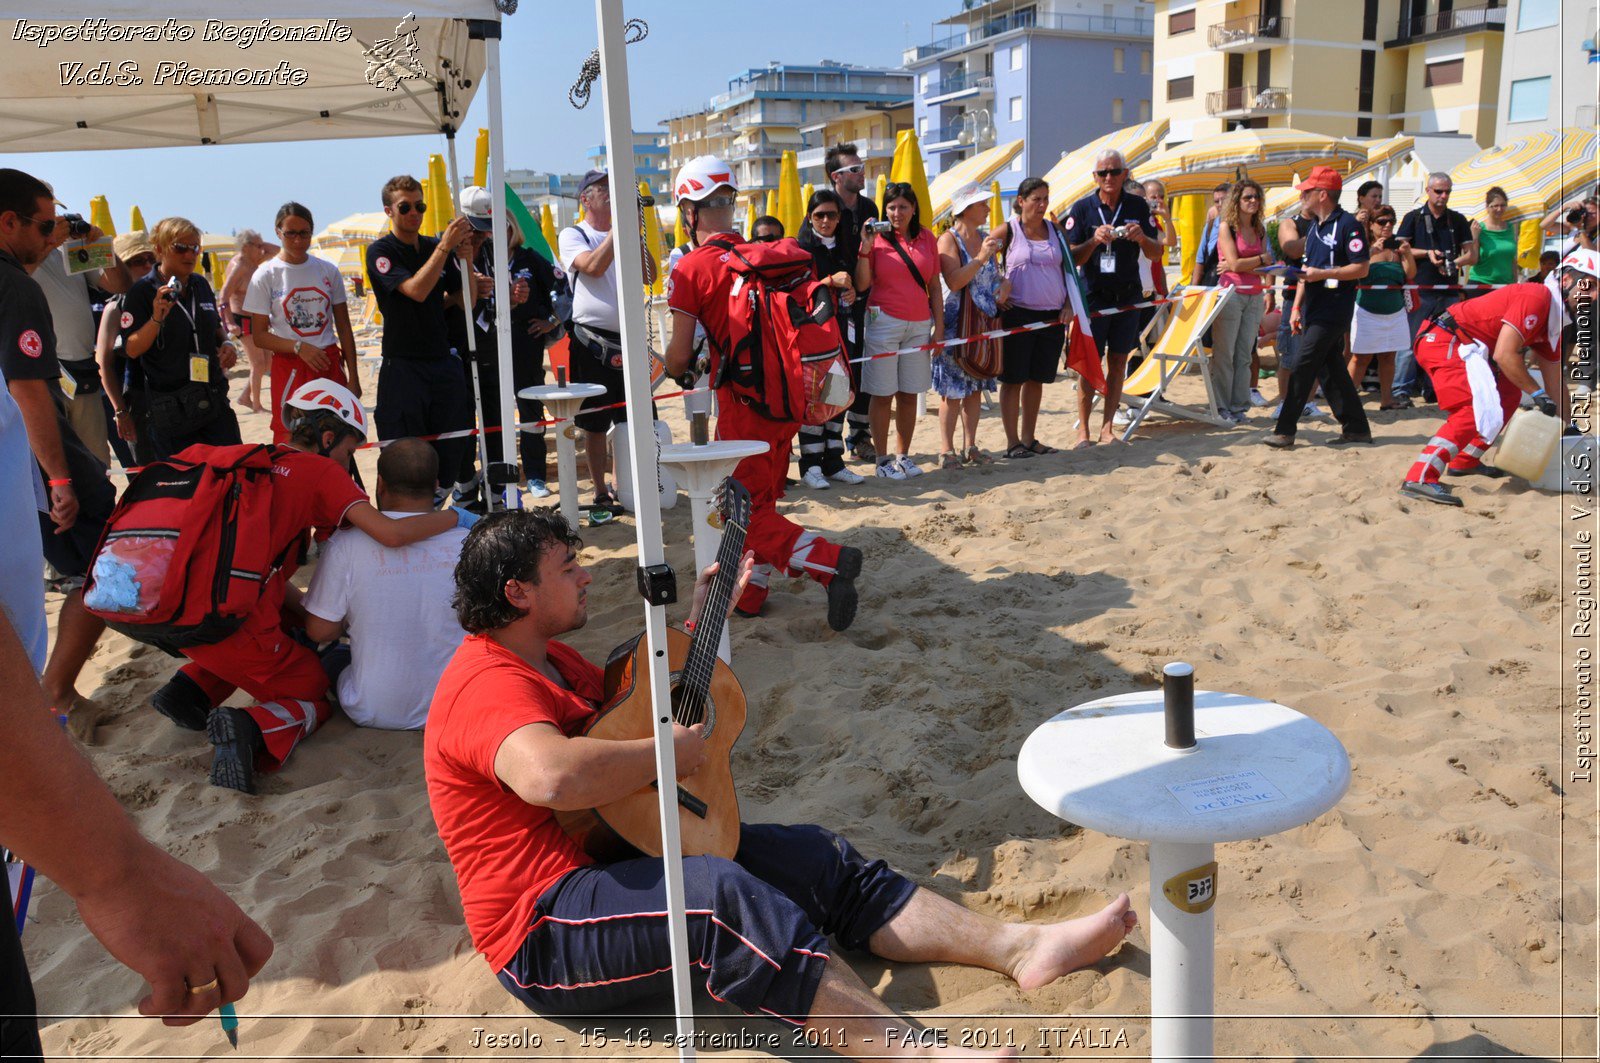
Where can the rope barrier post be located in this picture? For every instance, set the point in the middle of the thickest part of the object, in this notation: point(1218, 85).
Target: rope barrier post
point(643, 458)
point(467, 299)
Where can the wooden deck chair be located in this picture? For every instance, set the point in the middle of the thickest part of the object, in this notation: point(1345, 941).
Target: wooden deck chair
point(1171, 356)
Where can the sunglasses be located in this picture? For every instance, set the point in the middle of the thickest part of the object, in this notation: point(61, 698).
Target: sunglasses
point(852, 168)
point(1384, 221)
point(141, 261)
point(405, 208)
point(825, 215)
point(46, 226)
point(186, 249)
point(1250, 199)
point(1115, 171)
point(769, 238)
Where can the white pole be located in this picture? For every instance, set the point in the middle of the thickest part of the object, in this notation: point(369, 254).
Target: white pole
point(468, 298)
point(502, 277)
point(644, 461)
point(1181, 963)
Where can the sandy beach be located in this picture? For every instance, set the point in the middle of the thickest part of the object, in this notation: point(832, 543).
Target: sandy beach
point(1425, 637)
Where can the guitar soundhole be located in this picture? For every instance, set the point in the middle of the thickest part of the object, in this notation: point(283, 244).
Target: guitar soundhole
point(708, 712)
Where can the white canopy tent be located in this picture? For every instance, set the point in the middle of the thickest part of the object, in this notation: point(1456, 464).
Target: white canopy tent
point(407, 67)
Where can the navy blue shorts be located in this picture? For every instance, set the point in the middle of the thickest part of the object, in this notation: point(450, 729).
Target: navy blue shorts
point(1114, 333)
point(758, 925)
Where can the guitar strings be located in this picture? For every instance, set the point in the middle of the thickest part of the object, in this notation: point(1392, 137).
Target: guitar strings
point(700, 666)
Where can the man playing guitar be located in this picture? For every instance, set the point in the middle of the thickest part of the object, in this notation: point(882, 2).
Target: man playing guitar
point(505, 751)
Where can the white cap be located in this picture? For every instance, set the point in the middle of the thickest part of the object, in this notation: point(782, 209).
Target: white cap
point(966, 196)
point(476, 204)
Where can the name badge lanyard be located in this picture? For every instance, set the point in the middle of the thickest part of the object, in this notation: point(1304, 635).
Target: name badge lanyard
point(1331, 242)
point(1108, 257)
point(199, 364)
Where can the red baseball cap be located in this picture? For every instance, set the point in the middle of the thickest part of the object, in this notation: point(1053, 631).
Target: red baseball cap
point(1325, 178)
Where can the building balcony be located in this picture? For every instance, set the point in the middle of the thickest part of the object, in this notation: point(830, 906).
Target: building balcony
point(1246, 101)
point(961, 86)
point(1248, 34)
point(870, 147)
point(1031, 19)
point(1435, 24)
point(945, 138)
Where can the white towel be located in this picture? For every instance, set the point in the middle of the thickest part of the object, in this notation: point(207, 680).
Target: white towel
point(1486, 410)
point(1559, 318)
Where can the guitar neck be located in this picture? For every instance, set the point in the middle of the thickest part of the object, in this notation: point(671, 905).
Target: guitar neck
point(702, 657)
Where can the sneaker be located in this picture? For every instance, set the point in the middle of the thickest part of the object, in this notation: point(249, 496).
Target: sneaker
point(1256, 398)
point(848, 476)
point(1432, 492)
point(538, 489)
point(864, 450)
point(842, 596)
point(182, 701)
point(1311, 410)
point(814, 479)
point(1344, 439)
point(907, 467)
point(1121, 419)
point(889, 469)
point(237, 741)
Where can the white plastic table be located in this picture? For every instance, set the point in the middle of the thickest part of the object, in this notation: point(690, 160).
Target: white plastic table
point(699, 468)
point(1256, 768)
point(563, 402)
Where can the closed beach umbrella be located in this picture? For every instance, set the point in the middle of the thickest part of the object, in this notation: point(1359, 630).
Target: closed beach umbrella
point(790, 206)
point(136, 219)
point(1268, 156)
point(680, 235)
point(976, 170)
point(907, 167)
point(1539, 172)
point(547, 224)
point(100, 215)
point(480, 160)
point(883, 181)
point(652, 243)
point(1070, 179)
point(772, 202)
point(997, 212)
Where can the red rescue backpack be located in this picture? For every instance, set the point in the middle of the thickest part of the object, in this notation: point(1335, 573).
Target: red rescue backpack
point(785, 355)
point(188, 548)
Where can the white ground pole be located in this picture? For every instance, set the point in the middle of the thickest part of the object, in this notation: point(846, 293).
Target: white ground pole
point(502, 278)
point(1182, 997)
point(564, 403)
point(466, 310)
point(643, 458)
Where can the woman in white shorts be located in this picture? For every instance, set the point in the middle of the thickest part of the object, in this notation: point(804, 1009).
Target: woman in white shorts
point(1380, 328)
point(902, 269)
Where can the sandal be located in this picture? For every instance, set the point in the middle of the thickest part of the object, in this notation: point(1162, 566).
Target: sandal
point(1041, 448)
point(1403, 404)
point(1018, 450)
point(949, 460)
point(974, 456)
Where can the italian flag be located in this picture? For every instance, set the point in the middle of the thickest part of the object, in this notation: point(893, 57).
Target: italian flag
point(1083, 357)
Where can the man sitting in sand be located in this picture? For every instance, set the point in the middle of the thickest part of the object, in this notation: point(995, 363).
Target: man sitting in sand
point(394, 602)
point(504, 752)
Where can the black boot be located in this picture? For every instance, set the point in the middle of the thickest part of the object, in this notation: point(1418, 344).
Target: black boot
point(183, 702)
point(238, 741)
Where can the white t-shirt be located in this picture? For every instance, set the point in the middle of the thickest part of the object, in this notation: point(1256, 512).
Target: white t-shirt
point(298, 299)
point(594, 299)
point(70, 315)
point(395, 603)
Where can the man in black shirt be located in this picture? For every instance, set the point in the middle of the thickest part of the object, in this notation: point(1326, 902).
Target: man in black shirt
point(849, 176)
point(80, 497)
point(1336, 255)
point(1109, 232)
point(1442, 244)
point(422, 388)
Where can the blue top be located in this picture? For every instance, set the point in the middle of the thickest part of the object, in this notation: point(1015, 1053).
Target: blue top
point(1338, 241)
point(1087, 215)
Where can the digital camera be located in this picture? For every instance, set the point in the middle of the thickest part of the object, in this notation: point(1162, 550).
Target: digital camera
point(878, 228)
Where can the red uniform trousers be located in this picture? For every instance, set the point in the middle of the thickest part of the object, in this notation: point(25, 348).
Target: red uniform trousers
point(1456, 444)
point(285, 678)
point(778, 542)
point(289, 371)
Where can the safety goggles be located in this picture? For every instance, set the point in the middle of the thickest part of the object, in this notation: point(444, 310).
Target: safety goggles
point(405, 208)
point(1115, 171)
point(857, 167)
point(718, 202)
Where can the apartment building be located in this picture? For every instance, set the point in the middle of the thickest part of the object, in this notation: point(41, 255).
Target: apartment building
point(764, 111)
point(1550, 71)
point(538, 188)
point(650, 160)
point(1355, 68)
point(1053, 73)
point(873, 130)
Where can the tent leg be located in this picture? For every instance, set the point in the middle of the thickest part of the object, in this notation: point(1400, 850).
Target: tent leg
point(490, 497)
point(645, 463)
point(510, 438)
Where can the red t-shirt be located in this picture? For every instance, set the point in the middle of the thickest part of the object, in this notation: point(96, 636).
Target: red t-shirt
point(894, 289)
point(1525, 307)
point(505, 851)
point(699, 285)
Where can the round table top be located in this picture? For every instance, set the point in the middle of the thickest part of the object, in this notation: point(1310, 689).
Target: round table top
point(716, 450)
point(1257, 768)
point(555, 392)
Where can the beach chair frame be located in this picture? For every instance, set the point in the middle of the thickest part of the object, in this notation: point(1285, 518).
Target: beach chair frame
point(1171, 364)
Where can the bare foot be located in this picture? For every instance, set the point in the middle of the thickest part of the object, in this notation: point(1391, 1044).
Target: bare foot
point(1108, 433)
point(83, 719)
point(1064, 947)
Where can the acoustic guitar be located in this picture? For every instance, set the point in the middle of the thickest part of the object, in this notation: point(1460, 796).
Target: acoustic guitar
point(704, 690)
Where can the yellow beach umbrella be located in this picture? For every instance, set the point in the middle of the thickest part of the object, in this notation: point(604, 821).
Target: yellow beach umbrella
point(976, 170)
point(136, 219)
point(355, 230)
point(547, 224)
point(771, 203)
point(807, 190)
point(883, 181)
point(100, 215)
point(907, 167)
point(1268, 156)
point(1380, 153)
point(1530, 243)
point(680, 235)
point(1189, 217)
point(790, 207)
point(997, 214)
point(652, 241)
point(1538, 172)
point(441, 205)
point(1071, 178)
point(480, 160)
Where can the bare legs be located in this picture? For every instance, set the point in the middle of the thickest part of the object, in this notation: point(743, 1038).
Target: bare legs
point(77, 630)
point(1019, 411)
point(594, 445)
point(259, 361)
point(1116, 372)
point(903, 406)
point(967, 410)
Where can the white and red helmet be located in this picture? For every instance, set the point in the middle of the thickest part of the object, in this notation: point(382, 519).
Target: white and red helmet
point(701, 176)
point(333, 397)
point(1583, 260)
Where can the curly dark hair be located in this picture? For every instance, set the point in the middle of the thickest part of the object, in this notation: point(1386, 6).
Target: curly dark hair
point(504, 546)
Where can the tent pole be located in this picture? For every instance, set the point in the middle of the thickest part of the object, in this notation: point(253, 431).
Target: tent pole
point(502, 277)
point(467, 301)
point(643, 456)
